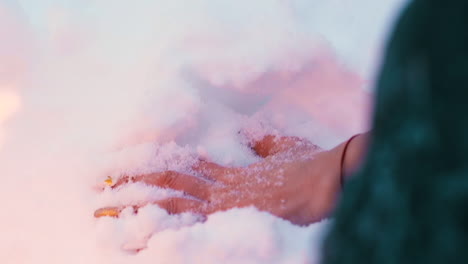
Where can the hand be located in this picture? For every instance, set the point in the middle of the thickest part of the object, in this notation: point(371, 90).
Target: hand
point(295, 180)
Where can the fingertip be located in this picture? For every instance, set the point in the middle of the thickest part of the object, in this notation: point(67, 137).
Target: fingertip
point(107, 211)
point(264, 147)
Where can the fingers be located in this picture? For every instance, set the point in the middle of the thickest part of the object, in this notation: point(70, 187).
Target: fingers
point(112, 211)
point(120, 181)
point(265, 146)
point(271, 145)
point(107, 211)
point(188, 184)
point(210, 170)
point(217, 172)
point(179, 205)
point(173, 205)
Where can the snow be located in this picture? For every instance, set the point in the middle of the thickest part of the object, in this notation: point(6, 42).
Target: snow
point(91, 89)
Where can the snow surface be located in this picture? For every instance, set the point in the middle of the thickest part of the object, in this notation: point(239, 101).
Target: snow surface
point(91, 88)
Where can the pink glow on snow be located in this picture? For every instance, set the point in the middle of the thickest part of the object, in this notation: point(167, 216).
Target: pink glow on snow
point(135, 88)
point(330, 93)
point(9, 103)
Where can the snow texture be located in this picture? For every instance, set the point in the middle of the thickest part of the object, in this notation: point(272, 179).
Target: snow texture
point(94, 88)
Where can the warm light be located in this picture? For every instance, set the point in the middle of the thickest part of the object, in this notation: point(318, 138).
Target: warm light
point(9, 104)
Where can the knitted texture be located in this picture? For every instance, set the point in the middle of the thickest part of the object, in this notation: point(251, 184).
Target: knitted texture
point(408, 204)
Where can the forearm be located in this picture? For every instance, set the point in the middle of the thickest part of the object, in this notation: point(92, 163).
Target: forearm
point(327, 175)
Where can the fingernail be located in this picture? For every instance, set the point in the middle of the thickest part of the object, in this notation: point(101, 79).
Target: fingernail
point(109, 182)
point(107, 211)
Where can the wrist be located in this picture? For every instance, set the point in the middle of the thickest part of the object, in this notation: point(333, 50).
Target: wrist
point(353, 153)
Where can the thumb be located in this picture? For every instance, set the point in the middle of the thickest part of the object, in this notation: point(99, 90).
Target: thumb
point(270, 145)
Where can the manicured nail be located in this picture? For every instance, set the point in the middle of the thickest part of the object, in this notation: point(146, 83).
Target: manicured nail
point(107, 211)
point(109, 182)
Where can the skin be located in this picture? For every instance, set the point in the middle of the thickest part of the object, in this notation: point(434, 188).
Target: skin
point(295, 180)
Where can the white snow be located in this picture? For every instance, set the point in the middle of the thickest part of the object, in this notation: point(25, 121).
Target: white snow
point(92, 88)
